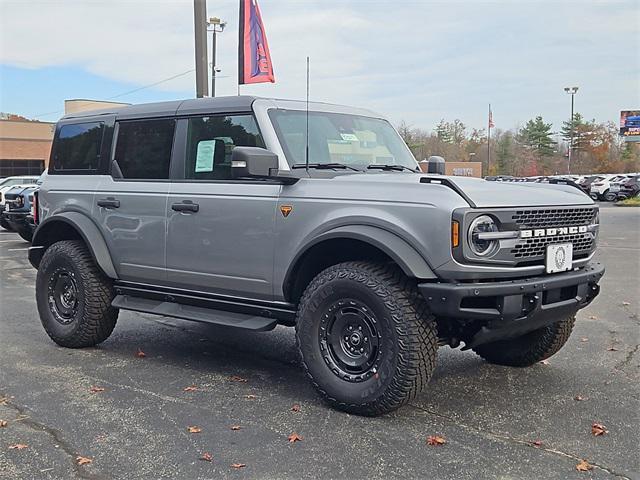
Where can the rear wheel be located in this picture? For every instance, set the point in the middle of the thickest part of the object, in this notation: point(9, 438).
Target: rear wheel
point(4, 224)
point(530, 348)
point(367, 339)
point(610, 196)
point(74, 296)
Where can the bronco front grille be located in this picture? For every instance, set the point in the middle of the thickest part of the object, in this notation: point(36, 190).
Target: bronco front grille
point(530, 249)
point(554, 217)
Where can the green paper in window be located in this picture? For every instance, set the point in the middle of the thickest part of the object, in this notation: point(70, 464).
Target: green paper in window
point(204, 157)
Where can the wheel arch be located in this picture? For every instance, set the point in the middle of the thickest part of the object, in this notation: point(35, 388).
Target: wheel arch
point(72, 226)
point(364, 242)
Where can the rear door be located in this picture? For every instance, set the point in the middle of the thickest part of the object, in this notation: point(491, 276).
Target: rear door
point(131, 202)
point(220, 231)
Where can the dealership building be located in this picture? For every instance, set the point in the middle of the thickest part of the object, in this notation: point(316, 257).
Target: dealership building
point(25, 144)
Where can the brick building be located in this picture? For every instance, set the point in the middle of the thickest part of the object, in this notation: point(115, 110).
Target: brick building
point(25, 144)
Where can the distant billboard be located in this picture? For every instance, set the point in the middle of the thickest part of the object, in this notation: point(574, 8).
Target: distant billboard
point(630, 125)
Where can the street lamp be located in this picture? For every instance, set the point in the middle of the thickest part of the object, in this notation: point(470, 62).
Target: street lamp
point(217, 26)
point(571, 91)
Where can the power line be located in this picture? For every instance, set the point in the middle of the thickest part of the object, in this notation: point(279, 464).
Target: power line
point(128, 92)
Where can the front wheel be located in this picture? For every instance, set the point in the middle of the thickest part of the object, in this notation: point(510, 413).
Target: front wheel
point(610, 196)
point(529, 348)
point(367, 339)
point(74, 296)
point(4, 224)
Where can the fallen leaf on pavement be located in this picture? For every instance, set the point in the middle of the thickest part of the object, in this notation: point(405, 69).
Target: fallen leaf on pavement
point(3, 423)
point(544, 362)
point(579, 398)
point(612, 349)
point(18, 446)
point(190, 388)
point(250, 397)
point(625, 303)
point(584, 339)
point(593, 317)
point(194, 429)
point(435, 440)
point(140, 354)
point(235, 427)
point(238, 465)
point(83, 461)
point(206, 456)
point(95, 389)
point(236, 378)
point(584, 466)
point(598, 429)
point(295, 407)
point(537, 443)
point(294, 437)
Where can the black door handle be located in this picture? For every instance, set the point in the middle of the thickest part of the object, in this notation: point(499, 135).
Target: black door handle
point(109, 203)
point(185, 206)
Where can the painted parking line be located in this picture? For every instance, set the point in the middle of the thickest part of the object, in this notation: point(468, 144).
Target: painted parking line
point(17, 249)
point(10, 241)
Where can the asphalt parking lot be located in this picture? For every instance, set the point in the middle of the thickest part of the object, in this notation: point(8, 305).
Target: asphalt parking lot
point(498, 422)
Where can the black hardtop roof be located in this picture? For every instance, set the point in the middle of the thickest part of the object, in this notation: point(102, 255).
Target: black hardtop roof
point(241, 103)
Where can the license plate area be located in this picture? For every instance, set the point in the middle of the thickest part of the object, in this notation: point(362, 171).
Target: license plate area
point(559, 257)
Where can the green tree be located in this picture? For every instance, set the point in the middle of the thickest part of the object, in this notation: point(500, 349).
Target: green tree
point(505, 153)
point(536, 134)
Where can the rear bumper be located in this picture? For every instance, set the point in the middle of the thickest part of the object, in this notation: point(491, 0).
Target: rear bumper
point(512, 308)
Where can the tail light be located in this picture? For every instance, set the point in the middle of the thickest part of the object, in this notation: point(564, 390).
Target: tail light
point(34, 208)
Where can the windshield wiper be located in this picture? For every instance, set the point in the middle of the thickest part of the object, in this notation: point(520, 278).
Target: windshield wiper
point(325, 166)
point(399, 168)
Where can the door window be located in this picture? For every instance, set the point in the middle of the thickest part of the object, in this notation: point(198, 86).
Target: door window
point(143, 149)
point(210, 141)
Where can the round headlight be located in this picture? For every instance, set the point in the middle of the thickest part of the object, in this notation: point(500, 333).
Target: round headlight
point(482, 247)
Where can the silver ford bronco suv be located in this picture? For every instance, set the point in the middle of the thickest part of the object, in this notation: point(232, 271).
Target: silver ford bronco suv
point(253, 212)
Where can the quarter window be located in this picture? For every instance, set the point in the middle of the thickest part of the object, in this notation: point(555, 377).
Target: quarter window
point(78, 146)
point(210, 141)
point(143, 149)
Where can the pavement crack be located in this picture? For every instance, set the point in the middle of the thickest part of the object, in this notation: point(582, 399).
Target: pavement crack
point(628, 358)
point(56, 435)
point(528, 443)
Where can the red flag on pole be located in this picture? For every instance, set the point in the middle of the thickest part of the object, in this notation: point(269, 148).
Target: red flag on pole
point(254, 59)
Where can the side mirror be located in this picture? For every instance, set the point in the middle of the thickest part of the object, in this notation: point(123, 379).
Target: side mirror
point(253, 162)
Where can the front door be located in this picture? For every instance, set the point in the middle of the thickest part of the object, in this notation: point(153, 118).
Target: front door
point(220, 231)
point(131, 203)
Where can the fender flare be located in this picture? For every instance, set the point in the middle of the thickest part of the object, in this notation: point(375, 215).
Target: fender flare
point(89, 232)
point(401, 252)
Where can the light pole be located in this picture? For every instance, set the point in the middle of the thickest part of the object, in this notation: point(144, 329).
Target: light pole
point(217, 26)
point(571, 91)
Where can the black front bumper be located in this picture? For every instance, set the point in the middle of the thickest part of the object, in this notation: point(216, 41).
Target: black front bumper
point(515, 307)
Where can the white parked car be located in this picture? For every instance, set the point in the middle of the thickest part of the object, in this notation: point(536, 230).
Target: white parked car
point(7, 184)
point(600, 187)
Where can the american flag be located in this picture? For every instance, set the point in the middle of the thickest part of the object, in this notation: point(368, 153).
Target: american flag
point(491, 124)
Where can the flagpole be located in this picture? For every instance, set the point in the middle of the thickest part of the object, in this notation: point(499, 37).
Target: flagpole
point(489, 143)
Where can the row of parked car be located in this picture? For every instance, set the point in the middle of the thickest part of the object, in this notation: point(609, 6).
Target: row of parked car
point(17, 204)
point(608, 187)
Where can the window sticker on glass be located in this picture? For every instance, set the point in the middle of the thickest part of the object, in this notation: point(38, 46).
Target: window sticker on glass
point(204, 156)
point(349, 137)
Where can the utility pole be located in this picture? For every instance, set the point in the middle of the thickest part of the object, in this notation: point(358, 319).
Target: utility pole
point(571, 91)
point(200, 30)
point(217, 26)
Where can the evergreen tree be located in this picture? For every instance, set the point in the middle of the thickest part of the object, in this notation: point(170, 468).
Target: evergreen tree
point(537, 136)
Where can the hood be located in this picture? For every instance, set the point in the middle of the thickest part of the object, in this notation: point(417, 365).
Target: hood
point(475, 191)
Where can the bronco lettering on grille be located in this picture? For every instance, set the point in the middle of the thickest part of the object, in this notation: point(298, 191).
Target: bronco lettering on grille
point(552, 232)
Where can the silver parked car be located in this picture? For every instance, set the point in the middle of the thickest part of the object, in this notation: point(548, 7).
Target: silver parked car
point(252, 212)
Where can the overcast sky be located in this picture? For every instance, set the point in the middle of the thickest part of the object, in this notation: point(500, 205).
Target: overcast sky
point(417, 61)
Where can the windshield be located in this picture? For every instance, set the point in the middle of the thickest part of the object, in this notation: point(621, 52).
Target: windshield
point(350, 140)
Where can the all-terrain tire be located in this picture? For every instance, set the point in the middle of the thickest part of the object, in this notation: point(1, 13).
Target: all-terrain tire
point(407, 337)
point(530, 348)
point(26, 234)
point(4, 224)
point(90, 319)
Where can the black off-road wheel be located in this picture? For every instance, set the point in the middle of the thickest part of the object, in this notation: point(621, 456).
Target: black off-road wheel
point(74, 296)
point(530, 348)
point(367, 339)
point(4, 224)
point(26, 234)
